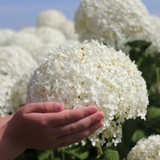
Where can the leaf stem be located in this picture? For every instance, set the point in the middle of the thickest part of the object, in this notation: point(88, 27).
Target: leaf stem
point(100, 152)
point(139, 62)
point(62, 154)
point(52, 154)
point(158, 79)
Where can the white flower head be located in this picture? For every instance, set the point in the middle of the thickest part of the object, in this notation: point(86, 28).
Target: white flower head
point(50, 35)
point(30, 30)
point(92, 74)
point(28, 41)
point(15, 62)
point(5, 34)
point(40, 53)
point(16, 68)
point(51, 18)
point(6, 86)
point(115, 22)
point(19, 90)
point(68, 28)
point(153, 31)
point(146, 149)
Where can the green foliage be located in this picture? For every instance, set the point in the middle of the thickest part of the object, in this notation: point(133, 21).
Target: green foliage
point(44, 155)
point(133, 129)
point(111, 155)
point(139, 134)
point(153, 119)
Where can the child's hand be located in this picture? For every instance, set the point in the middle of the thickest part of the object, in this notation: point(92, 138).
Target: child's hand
point(47, 126)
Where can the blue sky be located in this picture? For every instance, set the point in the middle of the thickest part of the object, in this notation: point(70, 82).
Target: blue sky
point(16, 14)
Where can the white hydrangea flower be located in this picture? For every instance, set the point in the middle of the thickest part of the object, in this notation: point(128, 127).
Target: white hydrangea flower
point(115, 22)
point(92, 74)
point(16, 68)
point(5, 34)
point(40, 53)
point(50, 35)
point(24, 40)
point(146, 149)
point(51, 18)
point(68, 29)
point(153, 31)
point(19, 91)
point(15, 62)
point(13, 93)
point(30, 30)
point(71, 42)
point(6, 86)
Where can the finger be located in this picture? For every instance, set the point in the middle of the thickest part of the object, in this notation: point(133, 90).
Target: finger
point(79, 136)
point(78, 125)
point(69, 116)
point(44, 107)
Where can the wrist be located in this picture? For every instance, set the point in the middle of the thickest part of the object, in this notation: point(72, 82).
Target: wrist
point(8, 150)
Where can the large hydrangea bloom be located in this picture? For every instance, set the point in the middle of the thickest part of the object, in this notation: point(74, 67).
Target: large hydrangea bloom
point(6, 86)
point(30, 30)
point(146, 149)
point(92, 74)
point(27, 41)
point(40, 53)
point(68, 28)
point(51, 18)
point(16, 68)
point(50, 35)
point(115, 22)
point(15, 62)
point(5, 34)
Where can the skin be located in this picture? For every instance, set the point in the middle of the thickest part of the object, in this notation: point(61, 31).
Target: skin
point(46, 126)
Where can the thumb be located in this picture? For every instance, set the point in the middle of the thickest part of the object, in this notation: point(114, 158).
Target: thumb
point(44, 107)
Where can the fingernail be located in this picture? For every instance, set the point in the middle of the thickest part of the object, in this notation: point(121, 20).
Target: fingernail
point(58, 107)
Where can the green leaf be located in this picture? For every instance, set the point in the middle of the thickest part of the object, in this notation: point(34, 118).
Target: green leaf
point(143, 45)
point(44, 156)
point(137, 50)
point(153, 112)
point(139, 134)
point(111, 155)
point(75, 155)
point(153, 119)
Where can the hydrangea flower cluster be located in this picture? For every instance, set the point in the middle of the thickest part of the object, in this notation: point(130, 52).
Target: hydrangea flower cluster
point(50, 35)
point(51, 18)
point(5, 34)
point(68, 29)
point(6, 86)
point(146, 149)
point(92, 74)
point(40, 53)
point(57, 20)
point(24, 40)
point(15, 61)
point(30, 30)
point(16, 68)
point(116, 22)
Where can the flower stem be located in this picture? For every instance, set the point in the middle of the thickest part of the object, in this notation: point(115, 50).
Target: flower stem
point(139, 62)
point(62, 154)
point(52, 154)
point(158, 79)
point(100, 152)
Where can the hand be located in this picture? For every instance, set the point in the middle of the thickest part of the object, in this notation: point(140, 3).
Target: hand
point(5, 119)
point(47, 126)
